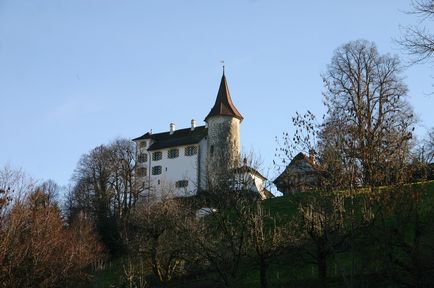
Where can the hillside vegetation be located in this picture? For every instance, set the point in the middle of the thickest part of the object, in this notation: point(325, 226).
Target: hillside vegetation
point(386, 240)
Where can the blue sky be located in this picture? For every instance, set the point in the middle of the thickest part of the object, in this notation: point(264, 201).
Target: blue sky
point(77, 74)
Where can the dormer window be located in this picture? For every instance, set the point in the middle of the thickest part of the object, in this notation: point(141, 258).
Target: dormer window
point(157, 156)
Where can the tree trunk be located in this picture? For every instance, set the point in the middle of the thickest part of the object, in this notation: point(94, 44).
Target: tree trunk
point(322, 263)
point(263, 272)
point(417, 267)
point(154, 260)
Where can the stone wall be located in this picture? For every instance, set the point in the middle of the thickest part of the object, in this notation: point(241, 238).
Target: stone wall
point(223, 147)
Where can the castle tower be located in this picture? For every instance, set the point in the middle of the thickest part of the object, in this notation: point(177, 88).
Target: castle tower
point(223, 147)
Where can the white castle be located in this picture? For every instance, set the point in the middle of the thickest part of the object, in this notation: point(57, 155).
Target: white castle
point(188, 161)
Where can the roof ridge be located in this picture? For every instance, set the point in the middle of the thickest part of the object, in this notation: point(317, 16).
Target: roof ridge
point(177, 130)
point(148, 135)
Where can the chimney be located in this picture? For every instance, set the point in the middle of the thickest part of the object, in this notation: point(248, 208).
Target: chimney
point(172, 128)
point(312, 155)
point(193, 124)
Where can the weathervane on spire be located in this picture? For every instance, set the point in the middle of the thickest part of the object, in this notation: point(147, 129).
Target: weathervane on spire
point(223, 65)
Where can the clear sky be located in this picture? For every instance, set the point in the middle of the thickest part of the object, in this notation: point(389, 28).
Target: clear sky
point(77, 74)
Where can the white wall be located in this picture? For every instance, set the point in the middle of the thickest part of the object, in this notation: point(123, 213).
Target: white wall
point(251, 182)
point(175, 169)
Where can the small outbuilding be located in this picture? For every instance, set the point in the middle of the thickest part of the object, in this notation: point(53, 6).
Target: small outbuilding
point(301, 175)
point(249, 179)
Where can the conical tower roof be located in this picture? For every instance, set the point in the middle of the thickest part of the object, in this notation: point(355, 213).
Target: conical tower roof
point(223, 104)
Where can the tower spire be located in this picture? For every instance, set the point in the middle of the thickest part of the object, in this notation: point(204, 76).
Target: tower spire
point(223, 105)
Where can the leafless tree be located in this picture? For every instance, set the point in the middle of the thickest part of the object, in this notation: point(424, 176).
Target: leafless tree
point(403, 235)
point(15, 181)
point(325, 223)
point(267, 237)
point(123, 181)
point(322, 224)
point(368, 119)
point(418, 40)
point(37, 249)
point(429, 144)
point(303, 139)
point(105, 188)
point(157, 237)
point(51, 190)
point(220, 238)
point(422, 166)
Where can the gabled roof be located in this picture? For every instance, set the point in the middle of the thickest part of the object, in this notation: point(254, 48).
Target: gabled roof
point(300, 164)
point(223, 105)
point(178, 138)
point(248, 169)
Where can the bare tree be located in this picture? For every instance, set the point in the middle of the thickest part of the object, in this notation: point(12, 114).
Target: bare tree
point(429, 144)
point(157, 237)
point(368, 119)
point(220, 238)
point(304, 138)
point(422, 166)
point(105, 188)
point(321, 223)
point(400, 240)
point(15, 181)
point(51, 190)
point(37, 249)
point(92, 183)
point(327, 219)
point(267, 237)
point(123, 181)
point(419, 40)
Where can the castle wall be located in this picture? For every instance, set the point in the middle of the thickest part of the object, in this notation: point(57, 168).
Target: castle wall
point(172, 170)
point(223, 147)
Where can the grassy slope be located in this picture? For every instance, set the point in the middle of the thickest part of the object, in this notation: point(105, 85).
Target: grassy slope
point(281, 272)
point(109, 276)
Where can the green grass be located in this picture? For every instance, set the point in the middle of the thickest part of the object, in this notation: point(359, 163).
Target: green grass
point(109, 276)
point(282, 271)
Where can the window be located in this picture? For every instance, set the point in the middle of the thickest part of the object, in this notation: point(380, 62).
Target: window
point(190, 150)
point(157, 156)
point(181, 184)
point(156, 170)
point(142, 171)
point(143, 157)
point(173, 153)
point(142, 144)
